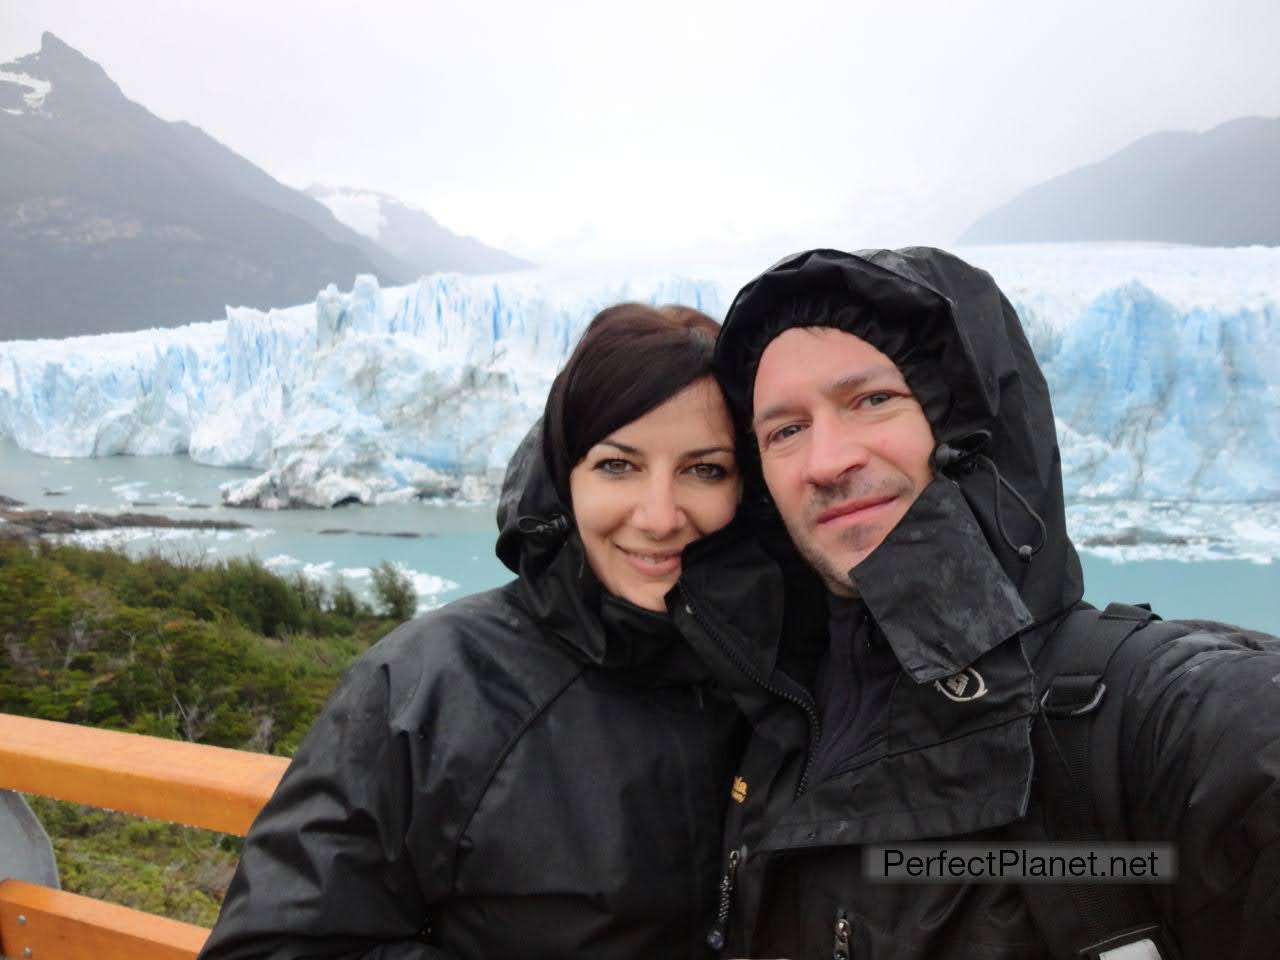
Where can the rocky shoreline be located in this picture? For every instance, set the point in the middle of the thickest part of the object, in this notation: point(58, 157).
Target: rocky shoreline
point(29, 525)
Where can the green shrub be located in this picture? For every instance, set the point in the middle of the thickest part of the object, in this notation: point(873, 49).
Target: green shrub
point(396, 597)
point(227, 654)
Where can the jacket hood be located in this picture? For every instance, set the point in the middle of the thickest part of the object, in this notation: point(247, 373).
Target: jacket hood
point(949, 582)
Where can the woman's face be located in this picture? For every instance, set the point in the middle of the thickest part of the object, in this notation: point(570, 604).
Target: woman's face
point(650, 488)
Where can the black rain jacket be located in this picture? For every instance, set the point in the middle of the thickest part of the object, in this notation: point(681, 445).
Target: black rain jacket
point(538, 771)
point(948, 593)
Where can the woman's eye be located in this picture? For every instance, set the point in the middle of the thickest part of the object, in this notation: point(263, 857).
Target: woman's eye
point(613, 466)
point(709, 471)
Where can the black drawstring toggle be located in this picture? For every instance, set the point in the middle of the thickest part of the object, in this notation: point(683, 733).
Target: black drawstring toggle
point(555, 526)
point(965, 454)
point(950, 454)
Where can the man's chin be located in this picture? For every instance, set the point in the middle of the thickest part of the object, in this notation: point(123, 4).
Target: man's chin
point(834, 571)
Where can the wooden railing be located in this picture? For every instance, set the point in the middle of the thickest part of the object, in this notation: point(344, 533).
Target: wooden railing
point(185, 783)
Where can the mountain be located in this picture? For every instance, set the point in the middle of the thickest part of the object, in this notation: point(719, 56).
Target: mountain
point(112, 219)
point(412, 234)
point(1219, 188)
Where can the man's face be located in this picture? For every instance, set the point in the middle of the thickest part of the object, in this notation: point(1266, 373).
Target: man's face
point(843, 444)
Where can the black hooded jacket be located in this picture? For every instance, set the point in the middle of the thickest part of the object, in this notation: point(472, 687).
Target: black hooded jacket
point(978, 574)
point(538, 771)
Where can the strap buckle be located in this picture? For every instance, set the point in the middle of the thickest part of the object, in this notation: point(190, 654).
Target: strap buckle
point(1073, 696)
point(1140, 943)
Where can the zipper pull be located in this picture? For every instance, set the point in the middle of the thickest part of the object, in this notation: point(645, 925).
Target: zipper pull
point(843, 928)
point(715, 937)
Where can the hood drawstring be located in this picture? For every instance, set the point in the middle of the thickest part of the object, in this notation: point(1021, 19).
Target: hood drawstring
point(543, 529)
point(964, 453)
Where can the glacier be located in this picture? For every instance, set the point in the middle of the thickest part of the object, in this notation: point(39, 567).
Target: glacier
point(1163, 362)
point(371, 396)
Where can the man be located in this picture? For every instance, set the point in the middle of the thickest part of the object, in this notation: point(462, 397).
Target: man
point(906, 442)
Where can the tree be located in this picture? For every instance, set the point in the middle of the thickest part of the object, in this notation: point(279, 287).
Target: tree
point(394, 590)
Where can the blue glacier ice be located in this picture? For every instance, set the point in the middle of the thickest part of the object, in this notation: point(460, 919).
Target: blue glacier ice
point(373, 395)
point(1164, 366)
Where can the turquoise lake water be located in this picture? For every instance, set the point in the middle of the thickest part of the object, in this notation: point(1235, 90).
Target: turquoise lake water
point(452, 552)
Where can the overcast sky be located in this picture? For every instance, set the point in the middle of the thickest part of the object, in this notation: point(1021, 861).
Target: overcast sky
point(659, 130)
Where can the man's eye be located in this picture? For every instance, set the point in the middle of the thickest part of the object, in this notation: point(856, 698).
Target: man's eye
point(875, 399)
point(783, 433)
point(613, 466)
point(708, 471)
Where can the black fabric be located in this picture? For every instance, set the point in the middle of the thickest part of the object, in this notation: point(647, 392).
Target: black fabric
point(1197, 730)
point(853, 687)
point(537, 771)
point(1082, 670)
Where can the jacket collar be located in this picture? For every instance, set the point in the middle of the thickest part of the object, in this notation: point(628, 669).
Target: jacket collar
point(935, 589)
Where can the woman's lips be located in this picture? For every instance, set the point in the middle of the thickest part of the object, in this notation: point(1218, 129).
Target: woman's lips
point(652, 563)
point(853, 510)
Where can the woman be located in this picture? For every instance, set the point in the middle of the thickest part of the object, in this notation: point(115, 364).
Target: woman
point(539, 770)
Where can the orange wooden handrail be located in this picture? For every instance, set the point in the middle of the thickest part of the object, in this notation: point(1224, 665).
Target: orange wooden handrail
point(186, 783)
point(170, 780)
point(46, 924)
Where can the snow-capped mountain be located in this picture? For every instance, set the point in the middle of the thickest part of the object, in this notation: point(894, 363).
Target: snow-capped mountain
point(114, 219)
point(412, 234)
point(1163, 362)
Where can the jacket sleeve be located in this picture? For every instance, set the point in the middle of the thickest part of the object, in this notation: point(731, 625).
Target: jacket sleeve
point(1204, 771)
point(325, 871)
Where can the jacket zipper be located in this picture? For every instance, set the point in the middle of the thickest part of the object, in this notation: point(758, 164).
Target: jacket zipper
point(715, 938)
point(811, 714)
point(840, 945)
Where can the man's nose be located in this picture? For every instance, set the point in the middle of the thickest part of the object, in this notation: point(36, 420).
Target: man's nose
point(834, 449)
point(659, 514)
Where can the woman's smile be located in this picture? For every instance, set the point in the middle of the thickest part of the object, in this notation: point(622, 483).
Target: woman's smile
point(650, 563)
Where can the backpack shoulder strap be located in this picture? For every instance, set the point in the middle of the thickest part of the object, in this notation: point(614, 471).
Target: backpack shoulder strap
point(1082, 672)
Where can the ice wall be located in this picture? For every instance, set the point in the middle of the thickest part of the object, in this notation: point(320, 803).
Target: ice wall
point(371, 395)
point(1164, 366)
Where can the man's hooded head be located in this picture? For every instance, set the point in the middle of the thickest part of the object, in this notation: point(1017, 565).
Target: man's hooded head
point(981, 550)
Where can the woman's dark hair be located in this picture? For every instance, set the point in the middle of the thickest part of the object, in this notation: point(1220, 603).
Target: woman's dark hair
point(632, 358)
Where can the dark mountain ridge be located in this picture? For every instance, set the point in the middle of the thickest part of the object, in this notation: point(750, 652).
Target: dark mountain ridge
point(112, 219)
point(1217, 188)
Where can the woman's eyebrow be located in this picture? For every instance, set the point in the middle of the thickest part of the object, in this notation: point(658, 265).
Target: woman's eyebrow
point(630, 451)
point(634, 452)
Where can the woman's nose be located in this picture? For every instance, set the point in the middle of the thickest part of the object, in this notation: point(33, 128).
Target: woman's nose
point(658, 514)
